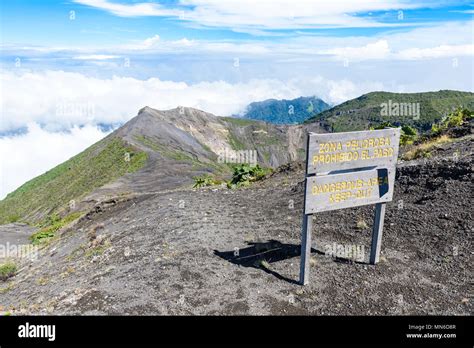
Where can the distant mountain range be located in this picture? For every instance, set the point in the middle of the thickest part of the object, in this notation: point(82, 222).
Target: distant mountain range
point(420, 110)
point(285, 111)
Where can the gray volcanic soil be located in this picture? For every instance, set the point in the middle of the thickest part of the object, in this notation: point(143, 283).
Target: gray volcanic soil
point(174, 252)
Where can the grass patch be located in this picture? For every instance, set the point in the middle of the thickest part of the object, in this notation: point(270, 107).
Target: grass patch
point(234, 142)
point(239, 121)
point(263, 264)
point(205, 180)
point(7, 288)
point(7, 270)
point(147, 142)
point(362, 225)
point(167, 152)
point(42, 281)
point(67, 272)
point(51, 226)
point(423, 150)
point(98, 249)
point(12, 218)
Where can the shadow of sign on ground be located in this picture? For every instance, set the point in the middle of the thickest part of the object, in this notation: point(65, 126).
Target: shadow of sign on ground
point(259, 253)
point(272, 251)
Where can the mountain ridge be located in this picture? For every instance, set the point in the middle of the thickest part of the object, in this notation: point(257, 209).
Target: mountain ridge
point(366, 110)
point(285, 111)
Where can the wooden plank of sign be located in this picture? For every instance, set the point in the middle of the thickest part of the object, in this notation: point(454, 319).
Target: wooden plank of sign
point(352, 189)
point(342, 151)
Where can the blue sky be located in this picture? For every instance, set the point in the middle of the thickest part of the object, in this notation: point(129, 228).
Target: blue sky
point(70, 66)
point(48, 22)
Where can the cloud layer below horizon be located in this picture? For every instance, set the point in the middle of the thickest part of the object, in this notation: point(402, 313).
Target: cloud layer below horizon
point(36, 151)
point(73, 99)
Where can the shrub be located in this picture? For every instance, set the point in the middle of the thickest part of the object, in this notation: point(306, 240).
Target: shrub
point(205, 180)
point(383, 125)
point(13, 218)
point(244, 174)
point(408, 135)
point(454, 119)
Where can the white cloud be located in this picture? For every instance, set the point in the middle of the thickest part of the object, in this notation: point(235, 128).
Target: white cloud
point(155, 45)
point(437, 52)
point(95, 57)
point(152, 41)
point(451, 39)
point(29, 155)
point(375, 50)
point(133, 10)
point(265, 14)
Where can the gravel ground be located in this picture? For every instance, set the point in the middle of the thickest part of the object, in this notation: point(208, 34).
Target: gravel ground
point(228, 252)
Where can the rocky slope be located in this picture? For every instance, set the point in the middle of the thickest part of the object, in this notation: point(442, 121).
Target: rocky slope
point(221, 251)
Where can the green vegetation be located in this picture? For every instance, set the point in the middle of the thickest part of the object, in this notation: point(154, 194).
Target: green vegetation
point(98, 250)
point(205, 180)
point(423, 150)
point(42, 281)
point(242, 122)
point(7, 270)
point(439, 134)
point(204, 146)
point(362, 225)
point(148, 142)
point(244, 174)
point(9, 287)
point(408, 134)
point(101, 163)
point(180, 155)
point(13, 218)
point(263, 264)
point(454, 119)
point(51, 225)
point(234, 142)
point(365, 111)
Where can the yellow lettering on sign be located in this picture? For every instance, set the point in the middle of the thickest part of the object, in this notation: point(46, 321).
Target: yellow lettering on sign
point(330, 147)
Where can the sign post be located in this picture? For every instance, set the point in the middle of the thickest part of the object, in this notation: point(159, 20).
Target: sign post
point(306, 232)
point(377, 233)
point(346, 170)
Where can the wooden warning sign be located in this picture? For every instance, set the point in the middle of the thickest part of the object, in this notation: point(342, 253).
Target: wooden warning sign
point(351, 150)
point(346, 170)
